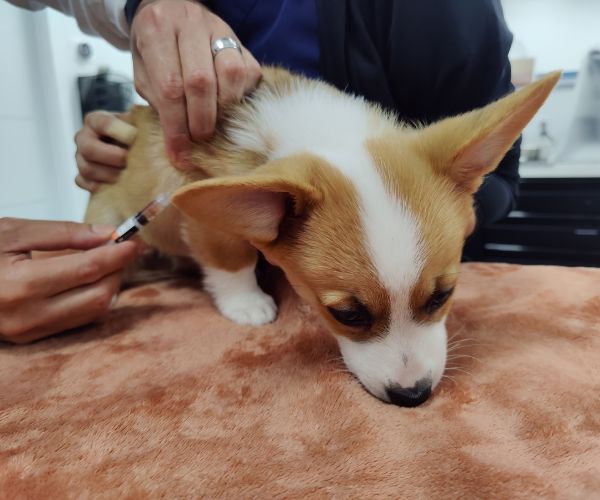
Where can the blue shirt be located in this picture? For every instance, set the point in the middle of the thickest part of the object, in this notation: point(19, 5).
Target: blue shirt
point(277, 32)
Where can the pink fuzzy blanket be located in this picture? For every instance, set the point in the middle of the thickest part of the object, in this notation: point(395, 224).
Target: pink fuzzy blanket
point(168, 399)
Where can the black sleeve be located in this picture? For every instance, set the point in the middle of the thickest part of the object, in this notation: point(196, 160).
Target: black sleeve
point(426, 60)
point(130, 9)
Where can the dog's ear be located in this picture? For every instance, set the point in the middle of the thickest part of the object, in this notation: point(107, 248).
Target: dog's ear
point(469, 146)
point(252, 206)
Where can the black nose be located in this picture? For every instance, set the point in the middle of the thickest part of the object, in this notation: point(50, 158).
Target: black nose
point(412, 396)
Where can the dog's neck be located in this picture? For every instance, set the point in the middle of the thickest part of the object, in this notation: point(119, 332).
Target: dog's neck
point(290, 116)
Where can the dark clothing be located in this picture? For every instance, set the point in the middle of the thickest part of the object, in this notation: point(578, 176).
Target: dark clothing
point(276, 32)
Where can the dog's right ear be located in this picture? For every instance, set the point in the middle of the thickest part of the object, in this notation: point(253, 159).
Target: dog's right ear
point(252, 206)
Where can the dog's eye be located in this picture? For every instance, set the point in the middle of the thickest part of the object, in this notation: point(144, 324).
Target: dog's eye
point(357, 317)
point(437, 300)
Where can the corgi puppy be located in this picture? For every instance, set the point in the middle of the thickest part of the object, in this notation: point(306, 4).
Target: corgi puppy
point(365, 215)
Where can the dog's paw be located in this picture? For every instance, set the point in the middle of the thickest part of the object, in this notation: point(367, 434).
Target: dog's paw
point(253, 307)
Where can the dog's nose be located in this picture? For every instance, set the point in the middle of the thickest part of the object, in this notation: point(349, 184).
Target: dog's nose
point(412, 396)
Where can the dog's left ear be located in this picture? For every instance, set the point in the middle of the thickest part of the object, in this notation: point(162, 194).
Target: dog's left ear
point(469, 146)
point(251, 206)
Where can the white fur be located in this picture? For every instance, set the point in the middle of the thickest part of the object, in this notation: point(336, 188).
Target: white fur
point(336, 127)
point(311, 117)
point(238, 296)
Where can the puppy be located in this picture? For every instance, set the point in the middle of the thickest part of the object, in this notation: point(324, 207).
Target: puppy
point(365, 215)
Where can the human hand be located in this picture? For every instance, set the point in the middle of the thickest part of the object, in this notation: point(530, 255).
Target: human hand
point(99, 161)
point(175, 72)
point(43, 296)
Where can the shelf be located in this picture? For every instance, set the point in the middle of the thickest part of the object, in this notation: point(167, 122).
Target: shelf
point(534, 170)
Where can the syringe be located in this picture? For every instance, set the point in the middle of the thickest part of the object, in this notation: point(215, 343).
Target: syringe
point(134, 223)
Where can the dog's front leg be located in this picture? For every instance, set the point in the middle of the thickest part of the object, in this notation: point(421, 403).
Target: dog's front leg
point(229, 265)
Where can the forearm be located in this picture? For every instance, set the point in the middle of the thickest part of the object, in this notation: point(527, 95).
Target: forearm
point(104, 18)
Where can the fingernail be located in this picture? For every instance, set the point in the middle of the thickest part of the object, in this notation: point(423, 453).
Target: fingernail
point(122, 132)
point(102, 229)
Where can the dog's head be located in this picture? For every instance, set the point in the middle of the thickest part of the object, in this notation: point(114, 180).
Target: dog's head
point(372, 235)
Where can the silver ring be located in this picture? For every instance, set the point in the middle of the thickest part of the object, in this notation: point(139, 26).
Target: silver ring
point(224, 43)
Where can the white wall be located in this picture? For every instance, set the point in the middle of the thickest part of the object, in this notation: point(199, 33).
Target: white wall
point(25, 176)
point(556, 32)
point(40, 111)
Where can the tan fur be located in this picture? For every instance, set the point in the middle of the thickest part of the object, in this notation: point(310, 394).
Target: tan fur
point(218, 249)
point(336, 298)
point(331, 254)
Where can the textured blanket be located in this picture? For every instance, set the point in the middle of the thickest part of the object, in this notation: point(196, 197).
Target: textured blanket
point(166, 398)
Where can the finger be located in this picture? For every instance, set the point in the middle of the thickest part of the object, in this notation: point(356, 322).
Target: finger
point(200, 82)
point(46, 277)
point(83, 183)
point(92, 148)
point(163, 69)
point(231, 75)
point(20, 235)
point(106, 124)
point(253, 71)
point(96, 171)
point(71, 309)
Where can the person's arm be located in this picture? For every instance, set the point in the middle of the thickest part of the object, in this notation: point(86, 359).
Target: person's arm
point(104, 18)
point(47, 295)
